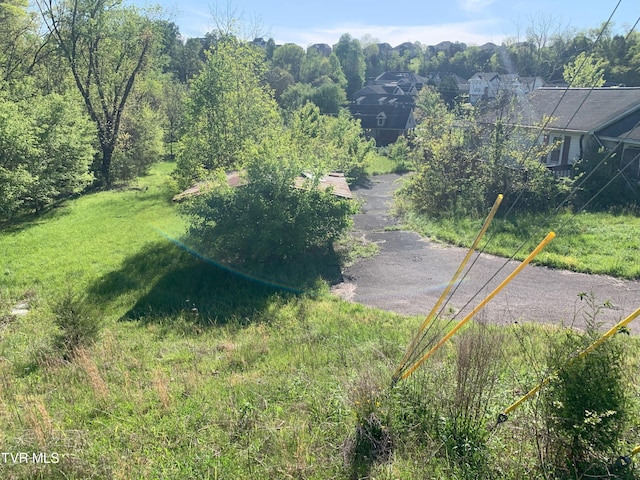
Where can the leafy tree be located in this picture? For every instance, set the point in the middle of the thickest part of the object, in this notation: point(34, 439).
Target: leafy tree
point(458, 174)
point(585, 71)
point(107, 47)
point(349, 52)
point(289, 57)
point(229, 108)
point(314, 66)
point(174, 97)
point(20, 46)
point(279, 80)
point(432, 116)
point(331, 142)
point(189, 59)
point(140, 143)
point(45, 152)
point(270, 48)
point(373, 62)
point(296, 96)
point(329, 97)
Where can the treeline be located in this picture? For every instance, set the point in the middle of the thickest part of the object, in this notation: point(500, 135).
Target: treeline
point(92, 93)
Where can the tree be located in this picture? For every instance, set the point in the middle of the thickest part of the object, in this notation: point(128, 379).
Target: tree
point(45, 151)
point(174, 98)
point(329, 97)
point(289, 57)
point(140, 143)
point(107, 47)
point(229, 108)
point(585, 71)
point(459, 174)
point(20, 46)
point(349, 52)
point(279, 80)
point(330, 142)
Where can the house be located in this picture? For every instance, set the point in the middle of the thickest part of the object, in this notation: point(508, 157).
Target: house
point(322, 48)
point(575, 119)
point(385, 106)
point(385, 122)
point(450, 84)
point(488, 86)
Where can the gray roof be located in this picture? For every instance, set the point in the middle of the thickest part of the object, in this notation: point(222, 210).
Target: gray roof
point(401, 77)
point(579, 109)
point(627, 128)
point(396, 117)
point(485, 75)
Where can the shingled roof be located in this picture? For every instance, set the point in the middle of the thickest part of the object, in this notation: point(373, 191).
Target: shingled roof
point(580, 109)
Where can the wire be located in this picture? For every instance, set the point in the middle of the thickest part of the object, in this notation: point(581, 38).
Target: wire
point(418, 352)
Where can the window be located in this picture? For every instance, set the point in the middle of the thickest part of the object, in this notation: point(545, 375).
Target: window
point(631, 162)
point(554, 156)
point(381, 117)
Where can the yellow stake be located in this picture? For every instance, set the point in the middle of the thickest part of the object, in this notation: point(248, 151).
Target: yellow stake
point(481, 305)
point(446, 291)
point(635, 451)
point(503, 416)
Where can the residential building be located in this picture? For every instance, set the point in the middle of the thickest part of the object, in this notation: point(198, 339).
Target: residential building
point(488, 86)
point(577, 119)
point(385, 106)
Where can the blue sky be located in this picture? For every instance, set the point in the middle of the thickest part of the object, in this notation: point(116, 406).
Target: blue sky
point(470, 21)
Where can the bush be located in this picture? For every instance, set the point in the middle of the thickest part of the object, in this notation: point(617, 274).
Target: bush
point(586, 405)
point(269, 219)
point(447, 180)
point(599, 168)
point(78, 325)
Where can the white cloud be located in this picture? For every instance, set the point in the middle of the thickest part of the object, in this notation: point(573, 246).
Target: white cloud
point(471, 33)
point(474, 5)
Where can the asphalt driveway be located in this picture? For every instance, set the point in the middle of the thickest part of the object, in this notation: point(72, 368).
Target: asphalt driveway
point(410, 272)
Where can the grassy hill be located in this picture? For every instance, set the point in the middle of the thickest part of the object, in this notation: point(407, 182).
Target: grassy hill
point(199, 371)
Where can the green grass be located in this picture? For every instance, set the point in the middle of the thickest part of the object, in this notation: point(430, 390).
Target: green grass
point(381, 165)
point(602, 243)
point(204, 372)
point(86, 238)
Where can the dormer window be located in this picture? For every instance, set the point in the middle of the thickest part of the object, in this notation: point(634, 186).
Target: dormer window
point(381, 117)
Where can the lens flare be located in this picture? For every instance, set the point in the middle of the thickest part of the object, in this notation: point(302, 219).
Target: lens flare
point(252, 277)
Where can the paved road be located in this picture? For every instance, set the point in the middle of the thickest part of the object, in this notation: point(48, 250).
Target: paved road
point(410, 272)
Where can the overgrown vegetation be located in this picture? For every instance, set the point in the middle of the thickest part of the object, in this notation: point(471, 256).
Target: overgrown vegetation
point(130, 349)
point(193, 373)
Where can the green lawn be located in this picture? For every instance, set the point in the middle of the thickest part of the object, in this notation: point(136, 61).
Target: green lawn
point(602, 243)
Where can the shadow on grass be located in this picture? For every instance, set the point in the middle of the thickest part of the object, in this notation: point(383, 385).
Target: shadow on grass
point(170, 282)
point(26, 220)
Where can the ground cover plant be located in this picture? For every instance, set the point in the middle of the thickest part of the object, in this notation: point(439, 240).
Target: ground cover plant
point(197, 371)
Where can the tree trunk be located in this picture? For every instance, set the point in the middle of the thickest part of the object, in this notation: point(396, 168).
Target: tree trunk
point(105, 166)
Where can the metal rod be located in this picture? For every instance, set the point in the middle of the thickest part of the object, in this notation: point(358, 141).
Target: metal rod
point(481, 305)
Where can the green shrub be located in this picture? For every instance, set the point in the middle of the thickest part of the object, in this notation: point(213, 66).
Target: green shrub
point(586, 405)
point(78, 324)
point(269, 219)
